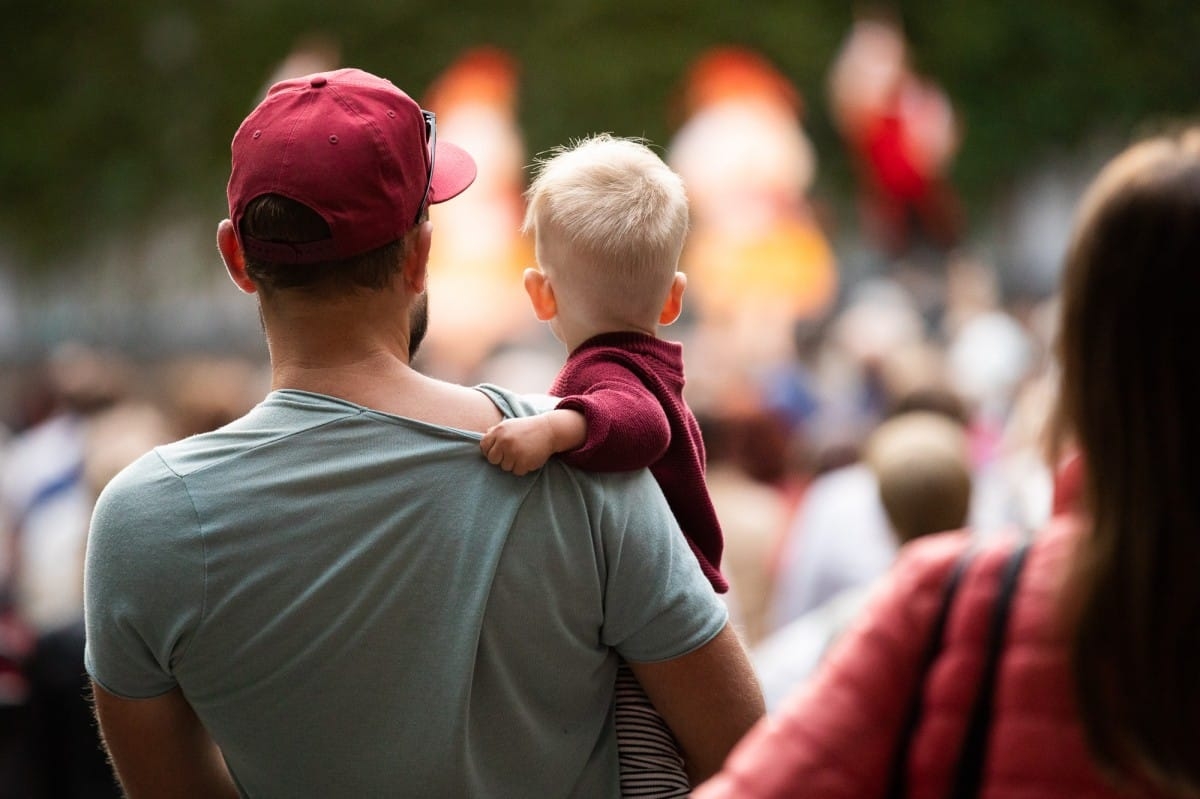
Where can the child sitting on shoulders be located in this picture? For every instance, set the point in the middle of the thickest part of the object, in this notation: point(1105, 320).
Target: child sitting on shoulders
point(609, 220)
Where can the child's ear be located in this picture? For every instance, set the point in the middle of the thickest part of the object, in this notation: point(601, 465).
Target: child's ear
point(674, 304)
point(541, 295)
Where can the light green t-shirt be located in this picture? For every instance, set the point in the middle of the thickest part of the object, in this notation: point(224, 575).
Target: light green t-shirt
point(357, 604)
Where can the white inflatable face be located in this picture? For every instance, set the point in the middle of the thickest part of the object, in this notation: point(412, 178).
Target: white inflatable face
point(741, 159)
point(490, 135)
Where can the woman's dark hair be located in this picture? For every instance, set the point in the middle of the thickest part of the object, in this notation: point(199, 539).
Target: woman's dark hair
point(1130, 399)
point(273, 217)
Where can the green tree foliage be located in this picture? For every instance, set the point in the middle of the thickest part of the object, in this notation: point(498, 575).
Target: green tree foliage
point(114, 113)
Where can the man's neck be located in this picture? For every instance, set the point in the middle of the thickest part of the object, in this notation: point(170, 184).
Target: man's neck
point(352, 379)
point(342, 347)
point(377, 377)
point(388, 383)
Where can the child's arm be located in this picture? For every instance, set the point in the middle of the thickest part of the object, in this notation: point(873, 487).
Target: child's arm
point(626, 425)
point(522, 445)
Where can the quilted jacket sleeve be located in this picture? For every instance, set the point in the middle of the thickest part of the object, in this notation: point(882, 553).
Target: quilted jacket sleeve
point(835, 737)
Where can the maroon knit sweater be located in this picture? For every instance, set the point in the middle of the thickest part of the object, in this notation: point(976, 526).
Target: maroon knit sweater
point(629, 388)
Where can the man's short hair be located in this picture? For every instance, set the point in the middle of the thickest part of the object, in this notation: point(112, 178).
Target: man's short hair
point(273, 217)
point(609, 218)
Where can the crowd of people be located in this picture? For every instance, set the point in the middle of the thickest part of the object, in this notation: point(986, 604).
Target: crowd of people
point(355, 577)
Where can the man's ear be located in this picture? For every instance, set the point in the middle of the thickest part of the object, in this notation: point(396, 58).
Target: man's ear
point(235, 260)
point(674, 304)
point(541, 294)
point(416, 266)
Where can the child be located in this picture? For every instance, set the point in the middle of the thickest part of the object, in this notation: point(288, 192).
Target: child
point(921, 462)
point(609, 220)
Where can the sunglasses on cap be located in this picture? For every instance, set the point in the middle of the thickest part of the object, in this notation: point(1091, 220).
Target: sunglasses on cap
point(431, 143)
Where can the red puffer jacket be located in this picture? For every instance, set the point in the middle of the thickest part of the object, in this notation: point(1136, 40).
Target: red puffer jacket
point(836, 736)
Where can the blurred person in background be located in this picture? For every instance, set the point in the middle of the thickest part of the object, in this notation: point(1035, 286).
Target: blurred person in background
point(1096, 691)
point(44, 501)
point(44, 507)
point(751, 474)
point(901, 130)
point(994, 365)
point(873, 357)
point(66, 759)
point(922, 468)
point(902, 135)
point(878, 353)
point(336, 595)
point(204, 392)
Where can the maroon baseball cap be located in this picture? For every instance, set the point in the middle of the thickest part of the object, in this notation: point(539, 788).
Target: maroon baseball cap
point(353, 148)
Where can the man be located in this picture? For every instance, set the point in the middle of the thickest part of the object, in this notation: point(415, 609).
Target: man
point(337, 595)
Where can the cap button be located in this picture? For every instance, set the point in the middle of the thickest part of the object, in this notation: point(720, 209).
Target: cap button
point(318, 82)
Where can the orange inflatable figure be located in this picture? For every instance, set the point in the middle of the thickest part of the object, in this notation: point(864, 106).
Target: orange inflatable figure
point(475, 295)
point(756, 259)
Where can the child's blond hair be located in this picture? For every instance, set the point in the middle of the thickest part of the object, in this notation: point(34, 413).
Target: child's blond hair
point(609, 219)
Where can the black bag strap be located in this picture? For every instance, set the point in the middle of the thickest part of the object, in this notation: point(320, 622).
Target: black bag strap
point(969, 775)
point(898, 778)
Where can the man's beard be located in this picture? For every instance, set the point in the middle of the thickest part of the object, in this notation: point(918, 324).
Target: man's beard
point(418, 324)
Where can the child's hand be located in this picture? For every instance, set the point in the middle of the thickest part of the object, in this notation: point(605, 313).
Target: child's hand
point(519, 445)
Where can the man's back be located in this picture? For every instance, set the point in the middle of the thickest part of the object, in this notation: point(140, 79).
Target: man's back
point(359, 604)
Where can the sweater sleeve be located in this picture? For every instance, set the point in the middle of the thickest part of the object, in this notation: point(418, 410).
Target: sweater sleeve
point(627, 427)
point(835, 737)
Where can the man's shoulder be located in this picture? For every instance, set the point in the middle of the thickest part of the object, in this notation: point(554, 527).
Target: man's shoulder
point(147, 495)
point(282, 415)
point(626, 488)
point(514, 404)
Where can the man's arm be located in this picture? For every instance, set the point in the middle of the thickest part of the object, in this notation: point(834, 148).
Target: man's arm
point(709, 698)
point(159, 748)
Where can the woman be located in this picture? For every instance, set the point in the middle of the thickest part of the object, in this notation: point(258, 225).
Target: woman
point(1098, 692)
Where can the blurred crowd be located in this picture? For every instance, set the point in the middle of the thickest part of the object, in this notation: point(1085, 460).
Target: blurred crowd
point(82, 415)
point(844, 409)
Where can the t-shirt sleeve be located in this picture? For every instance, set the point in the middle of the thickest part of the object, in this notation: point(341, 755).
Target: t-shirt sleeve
point(658, 604)
point(143, 580)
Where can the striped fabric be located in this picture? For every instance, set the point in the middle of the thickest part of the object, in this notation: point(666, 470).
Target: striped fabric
point(651, 763)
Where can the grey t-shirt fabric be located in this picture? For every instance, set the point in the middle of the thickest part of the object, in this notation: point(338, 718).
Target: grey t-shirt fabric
point(358, 604)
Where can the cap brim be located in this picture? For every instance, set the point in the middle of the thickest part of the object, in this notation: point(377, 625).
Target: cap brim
point(453, 171)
